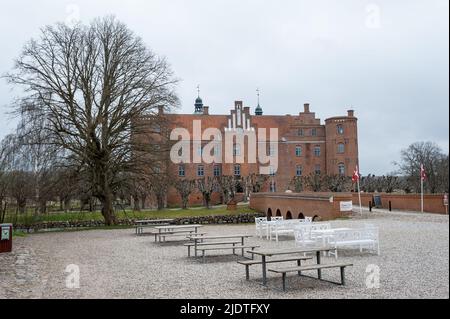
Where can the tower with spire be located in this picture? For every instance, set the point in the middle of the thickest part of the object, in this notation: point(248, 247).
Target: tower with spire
point(259, 110)
point(198, 103)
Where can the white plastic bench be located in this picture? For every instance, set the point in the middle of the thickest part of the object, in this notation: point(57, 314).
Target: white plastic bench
point(363, 238)
point(286, 228)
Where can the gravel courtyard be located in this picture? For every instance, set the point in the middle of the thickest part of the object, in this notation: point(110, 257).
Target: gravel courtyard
point(414, 263)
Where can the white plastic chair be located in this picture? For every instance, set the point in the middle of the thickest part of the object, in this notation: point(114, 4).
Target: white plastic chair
point(283, 227)
point(261, 226)
point(303, 238)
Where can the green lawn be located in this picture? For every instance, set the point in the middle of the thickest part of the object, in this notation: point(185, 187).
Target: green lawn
point(168, 213)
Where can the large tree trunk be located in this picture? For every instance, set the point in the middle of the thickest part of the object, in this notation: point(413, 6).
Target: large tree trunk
point(66, 205)
point(22, 205)
point(207, 199)
point(185, 201)
point(42, 207)
point(160, 198)
point(143, 200)
point(108, 209)
point(3, 211)
point(136, 206)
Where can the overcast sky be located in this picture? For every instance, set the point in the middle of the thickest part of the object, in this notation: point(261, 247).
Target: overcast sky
point(388, 60)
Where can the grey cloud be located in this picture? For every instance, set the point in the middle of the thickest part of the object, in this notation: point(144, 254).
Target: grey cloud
point(321, 52)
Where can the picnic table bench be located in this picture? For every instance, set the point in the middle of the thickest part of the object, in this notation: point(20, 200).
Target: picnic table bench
point(175, 231)
point(200, 244)
point(248, 263)
point(141, 224)
point(203, 250)
point(319, 267)
point(299, 269)
point(202, 240)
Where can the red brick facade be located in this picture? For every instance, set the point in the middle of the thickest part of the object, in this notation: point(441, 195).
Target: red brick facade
point(321, 206)
point(406, 202)
point(305, 145)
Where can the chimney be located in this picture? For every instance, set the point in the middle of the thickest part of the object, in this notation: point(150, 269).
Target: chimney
point(351, 113)
point(206, 110)
point(160, 110)
point(306, 107)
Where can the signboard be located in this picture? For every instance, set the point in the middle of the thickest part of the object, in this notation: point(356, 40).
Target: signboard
point(5, 233)
point(377, 201)
point(346, 206)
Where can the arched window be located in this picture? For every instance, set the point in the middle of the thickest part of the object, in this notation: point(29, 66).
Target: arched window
point(269, 214)
point(341, 148)
point(279, 213)
point(301, 216)
point(289, 215)
point(341, 169)
point(340, 129)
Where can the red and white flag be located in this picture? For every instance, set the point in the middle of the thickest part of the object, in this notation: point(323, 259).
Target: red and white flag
point(356, 176)
point(423, 174)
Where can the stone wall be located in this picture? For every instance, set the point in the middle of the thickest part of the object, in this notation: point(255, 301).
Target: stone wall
point(203, 220)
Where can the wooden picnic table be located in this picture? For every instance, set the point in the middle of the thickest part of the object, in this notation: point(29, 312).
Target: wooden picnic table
point(196, 239)
point(289, 251)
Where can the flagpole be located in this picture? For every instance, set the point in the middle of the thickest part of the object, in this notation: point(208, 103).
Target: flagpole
point(359, 195)
point(421, 196)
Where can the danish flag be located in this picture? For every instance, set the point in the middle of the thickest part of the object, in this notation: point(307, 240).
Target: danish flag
point(355, 177)
point(423, 174)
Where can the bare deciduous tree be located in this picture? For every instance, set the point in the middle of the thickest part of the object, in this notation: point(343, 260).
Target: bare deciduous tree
point(254, 183)
point(368, 183)
point(91, 85)
point(228, 186)
point(315, 182)
point(435, 163)
point(185, 188)
point(390, 183)
point(338, 183)
point(206, 186)
point(298, 184)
